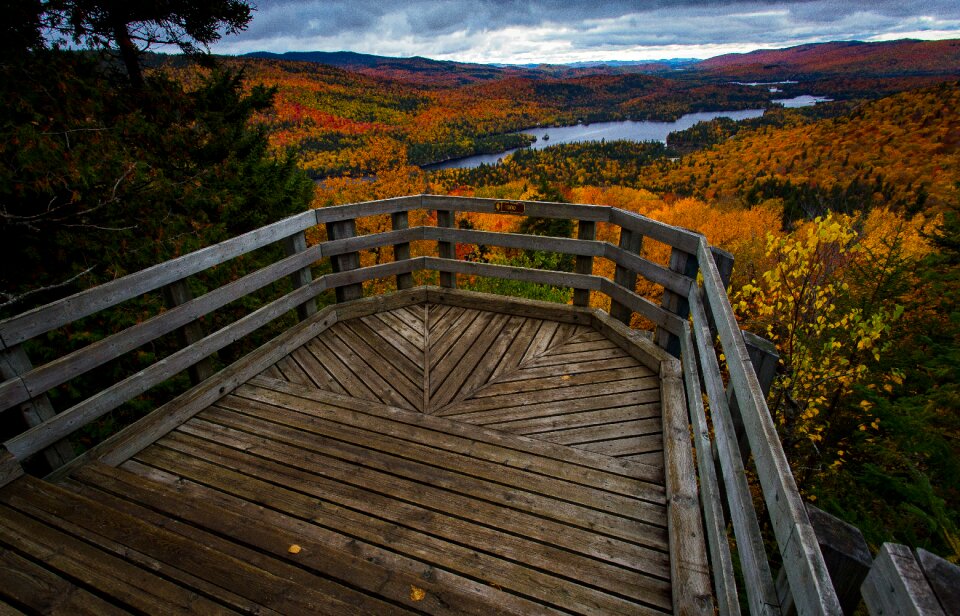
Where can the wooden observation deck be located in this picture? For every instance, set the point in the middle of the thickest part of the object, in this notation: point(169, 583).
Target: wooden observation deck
point(428, 450)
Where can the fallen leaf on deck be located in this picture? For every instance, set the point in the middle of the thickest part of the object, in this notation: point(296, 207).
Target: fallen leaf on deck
point(294, 549)
point(416, 593)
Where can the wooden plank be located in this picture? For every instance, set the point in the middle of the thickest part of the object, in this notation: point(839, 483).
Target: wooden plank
point(724, 580)
point(630, 242)
point(516, 350)
point(689, 566)
point(654, 272)
point(292, 245)
point(379, 303)
point(310, 371)
point(846, 554)
point(82, 413)
point(572, 392)
point(641, 305)
point(536, 425)
point(586, 231)
point(565, 245)
point(758, 580)
point(145, 545)
point(62, 369)
point(328, 552)
point(301, 498)
point(412, 316)
point(124, 583)
point(27, 584)
point(389, 384)
point(943, 576)
point(484, 370)
point(420, 485)
point(554, 407)
point(446, 335)
point(553, 461)
point(520, 382)
point(328, 353)
point(654, 229)
point(346, 245)
point(293, 370)
point(412, 337)
point(285, 429)
point(626, 426)
point(508, 272)
point(536, 370)
point(401, 251)
point(339, 230)
point(631, 341)
point(46, 318)
point(368, 208)
point(538, 209)
point(806, 570)
point(896, 585)
point(319, 568)
point(125, 443)
point(376, 326)
point(467, 366)
point(556, 357)
point(541, 341)
point(509, 305)
point(405, 373)
point(14, 362)
point(626, 446)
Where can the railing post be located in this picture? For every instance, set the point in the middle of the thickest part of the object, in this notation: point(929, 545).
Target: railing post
point(300, 278)
point(631, 242)
point(586, 230)
point(177, 293)
point(14, 363)
point(448, 250)
point(896, 584)
point(401, 252)
point(684, 264)
point(846, 555)
point(340, 230)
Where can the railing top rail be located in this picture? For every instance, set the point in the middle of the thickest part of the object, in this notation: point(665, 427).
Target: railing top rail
point(17, 329)
point(803, 562)
point(42, 319)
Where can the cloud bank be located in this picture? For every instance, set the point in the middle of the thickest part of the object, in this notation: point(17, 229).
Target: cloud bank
point(523, 31)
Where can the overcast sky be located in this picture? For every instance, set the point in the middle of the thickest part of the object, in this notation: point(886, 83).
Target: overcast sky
point(523, 31)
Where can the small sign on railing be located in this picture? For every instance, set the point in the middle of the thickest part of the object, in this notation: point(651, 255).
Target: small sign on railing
point(509, 207)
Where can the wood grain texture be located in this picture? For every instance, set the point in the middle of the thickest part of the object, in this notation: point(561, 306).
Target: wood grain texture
point(500, 461)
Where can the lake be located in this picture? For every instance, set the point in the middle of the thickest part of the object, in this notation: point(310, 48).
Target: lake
point(611, 131)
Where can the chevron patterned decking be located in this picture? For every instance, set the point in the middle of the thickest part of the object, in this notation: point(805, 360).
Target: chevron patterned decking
point(426, 458)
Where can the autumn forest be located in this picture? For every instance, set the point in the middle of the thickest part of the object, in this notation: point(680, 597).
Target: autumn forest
point(843, 217)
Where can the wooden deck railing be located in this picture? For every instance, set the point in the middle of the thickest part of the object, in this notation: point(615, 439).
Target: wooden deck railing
point(686, 318)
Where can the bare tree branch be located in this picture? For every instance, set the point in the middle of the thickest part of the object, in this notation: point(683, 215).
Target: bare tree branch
point(10, 299)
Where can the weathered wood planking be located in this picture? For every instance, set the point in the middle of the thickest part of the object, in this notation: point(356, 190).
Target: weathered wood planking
point(43, 378)
point(896, 585)
point(803, 562)
point(758, 580)
point(724, 580)
point(45, 318)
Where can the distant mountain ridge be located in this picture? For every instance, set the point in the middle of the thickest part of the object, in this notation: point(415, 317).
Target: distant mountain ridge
point(853, 58)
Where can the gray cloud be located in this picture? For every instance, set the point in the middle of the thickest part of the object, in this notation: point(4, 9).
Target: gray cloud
point(559, 31)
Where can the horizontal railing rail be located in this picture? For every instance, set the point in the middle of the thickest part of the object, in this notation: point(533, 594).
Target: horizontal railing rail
point(688, 314)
